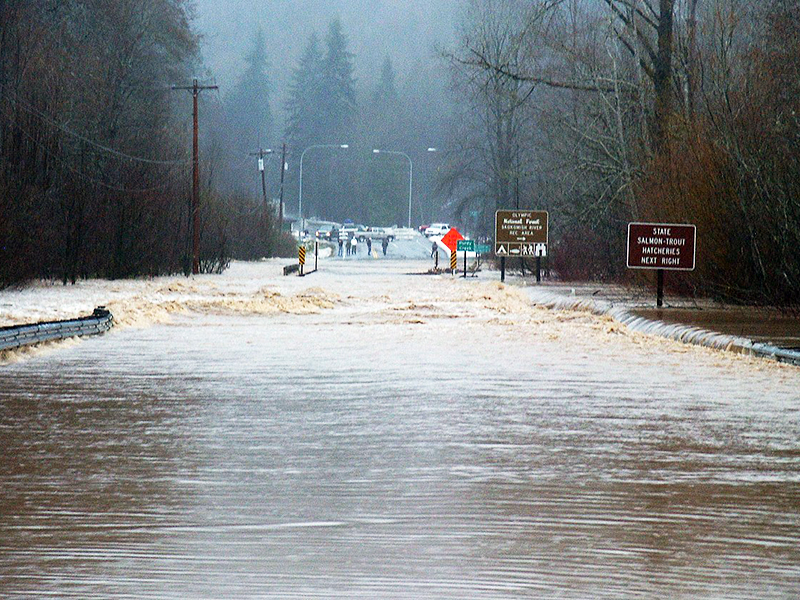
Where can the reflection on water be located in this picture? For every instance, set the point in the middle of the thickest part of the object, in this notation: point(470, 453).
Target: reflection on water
point(253, 458)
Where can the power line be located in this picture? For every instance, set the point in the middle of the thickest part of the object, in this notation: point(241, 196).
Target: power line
point(34, 111)
point(78, 172)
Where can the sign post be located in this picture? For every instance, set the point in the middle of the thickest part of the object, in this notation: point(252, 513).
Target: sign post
point(662, 247)
point(465, 246)
point(519, 233)
point(301, 257)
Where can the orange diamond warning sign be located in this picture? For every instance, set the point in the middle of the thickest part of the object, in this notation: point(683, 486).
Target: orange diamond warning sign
point(451, 239)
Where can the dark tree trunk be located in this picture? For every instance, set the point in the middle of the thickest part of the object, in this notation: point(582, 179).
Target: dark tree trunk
point(662, 75)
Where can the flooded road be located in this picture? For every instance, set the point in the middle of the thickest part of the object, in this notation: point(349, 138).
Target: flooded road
point(760, 325)
point(411, 437)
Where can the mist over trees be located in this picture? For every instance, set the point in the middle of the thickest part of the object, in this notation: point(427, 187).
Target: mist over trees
point(323, 108)
point(601, 111)
point(324, 113)
point(651, 110)
point(244, 122)
point(95, 159)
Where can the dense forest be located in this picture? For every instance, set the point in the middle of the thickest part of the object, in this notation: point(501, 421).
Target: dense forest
point(612, 111)
point(93, 158)
point(324, 109)
point(95, 145)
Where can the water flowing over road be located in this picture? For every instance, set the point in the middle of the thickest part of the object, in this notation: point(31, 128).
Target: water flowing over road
point(369, 433)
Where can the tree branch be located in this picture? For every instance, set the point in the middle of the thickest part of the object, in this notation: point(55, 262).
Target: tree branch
point(483, 63)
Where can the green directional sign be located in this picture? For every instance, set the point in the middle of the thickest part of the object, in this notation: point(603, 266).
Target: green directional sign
point(483, 248)
point(465, 246)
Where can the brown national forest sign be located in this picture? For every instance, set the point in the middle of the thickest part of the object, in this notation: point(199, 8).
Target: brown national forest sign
point(521, 232)
point(661, 246)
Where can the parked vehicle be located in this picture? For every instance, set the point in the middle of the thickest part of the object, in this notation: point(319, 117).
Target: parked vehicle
point(350, 229)
point(378, 233)
point(328, 232)
point(437, 230)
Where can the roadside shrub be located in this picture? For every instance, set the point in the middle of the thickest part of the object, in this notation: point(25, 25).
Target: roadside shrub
point(582, 255)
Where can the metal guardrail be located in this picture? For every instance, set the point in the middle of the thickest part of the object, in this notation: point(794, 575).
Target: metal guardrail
point(17, 336)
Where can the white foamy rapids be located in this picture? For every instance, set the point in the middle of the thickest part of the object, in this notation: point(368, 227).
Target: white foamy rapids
point(140, 303)
point(255, 289)
point(681, 333)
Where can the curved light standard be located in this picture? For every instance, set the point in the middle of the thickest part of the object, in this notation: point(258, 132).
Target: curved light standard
point(410, 174)
point(300, 204)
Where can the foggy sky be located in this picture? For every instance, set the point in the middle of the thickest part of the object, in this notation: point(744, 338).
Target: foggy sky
point(405, 30)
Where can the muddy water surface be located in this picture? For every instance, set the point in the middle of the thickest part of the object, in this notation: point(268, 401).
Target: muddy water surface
point(418, 439)
point(760, 325)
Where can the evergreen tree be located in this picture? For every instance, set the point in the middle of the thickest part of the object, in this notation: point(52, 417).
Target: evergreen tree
point(385, 94)
point(322, 110)
point(384, 117)
point(249, 114)
point(303, 105)
point(385, 180)
point(338, 85)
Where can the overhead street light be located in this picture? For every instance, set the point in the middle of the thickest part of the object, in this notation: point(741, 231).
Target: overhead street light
point(302, 156)
point(410, 174)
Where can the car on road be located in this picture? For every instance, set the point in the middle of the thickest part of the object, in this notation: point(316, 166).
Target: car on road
point(328, 232)
point(437, 230)
point(350, 229)
point(378, 233)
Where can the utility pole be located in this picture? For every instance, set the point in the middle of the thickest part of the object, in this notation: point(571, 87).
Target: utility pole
point(283, 172)
point(195, 88)
point(261, 167)
point(264, 206)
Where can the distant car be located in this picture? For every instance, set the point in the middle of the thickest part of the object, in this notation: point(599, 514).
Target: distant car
point(353, 230)
point(422, 228)
point(382, 232)
point(437, 230)
point(328, 232)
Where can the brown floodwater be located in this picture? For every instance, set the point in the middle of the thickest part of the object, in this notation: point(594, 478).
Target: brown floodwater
point(356, 454)
point(760, 325)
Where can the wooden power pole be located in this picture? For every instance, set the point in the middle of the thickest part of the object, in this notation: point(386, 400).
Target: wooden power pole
point(195, 88)
point(262, 167)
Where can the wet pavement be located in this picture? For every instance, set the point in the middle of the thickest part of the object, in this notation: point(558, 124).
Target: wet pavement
point(384, 435)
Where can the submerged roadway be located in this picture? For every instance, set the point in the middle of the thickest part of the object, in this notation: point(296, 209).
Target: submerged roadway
point(371, 432)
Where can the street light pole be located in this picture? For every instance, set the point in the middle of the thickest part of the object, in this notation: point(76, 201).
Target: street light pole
point(302, 156)
point(410, 174)
point(283, 175)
